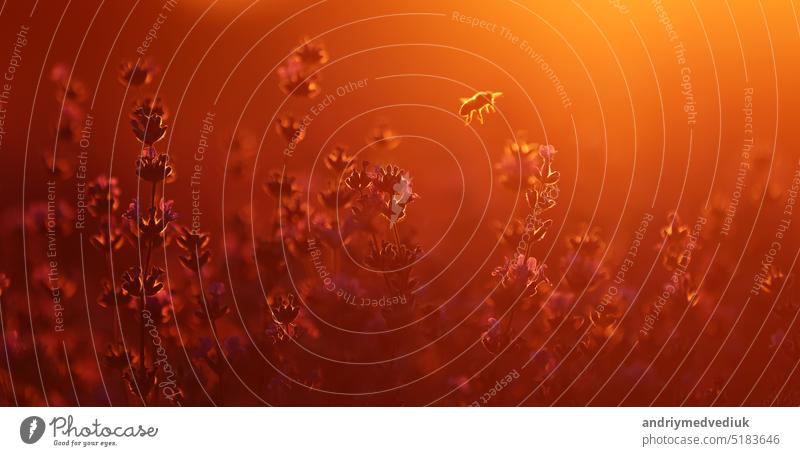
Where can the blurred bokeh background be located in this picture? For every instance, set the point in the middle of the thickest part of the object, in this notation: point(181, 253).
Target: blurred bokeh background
point(648, 104)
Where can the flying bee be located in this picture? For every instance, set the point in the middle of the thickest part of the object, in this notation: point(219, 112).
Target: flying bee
point(478, 104)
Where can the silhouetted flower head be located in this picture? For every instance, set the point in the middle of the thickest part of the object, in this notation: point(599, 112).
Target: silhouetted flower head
point(73, 91)
point(674, 231)
point(280, 186)
point(152, 166)
point(402, 195)
point(518, 163)
point(108, 238)
point(195, 244)
point(327, 232)
point(103, 195)
point(190, 240)
point(605, 318)
point(292, 130)
point(149, 107)
point(283, 308)
point(312, 54)
point(521, 147)
point(136, 73)
point(773, 281)
point(150, 224)
point(359, 179)
point(388, 177)
point(674, 234)
point(295, 79)
point(135, 285)
point(369, 205)
point(110, 297)
point(292, 69)
point(59, 168)
point(338, 160)
point(333, 197)
point(520, 274)
point(148, 129)
point(298, 74)
point(391, 257)
point(583, 267)
point(293, 226)
point(589, 243)
point(67, 131)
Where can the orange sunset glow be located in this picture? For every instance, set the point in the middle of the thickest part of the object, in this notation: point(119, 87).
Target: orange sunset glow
point(360, 203)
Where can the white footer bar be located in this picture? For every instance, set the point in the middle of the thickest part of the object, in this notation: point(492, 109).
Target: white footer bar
point(395, 431)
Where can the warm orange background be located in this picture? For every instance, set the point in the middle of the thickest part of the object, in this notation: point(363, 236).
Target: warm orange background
point(623, 143)
point(594, 50)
